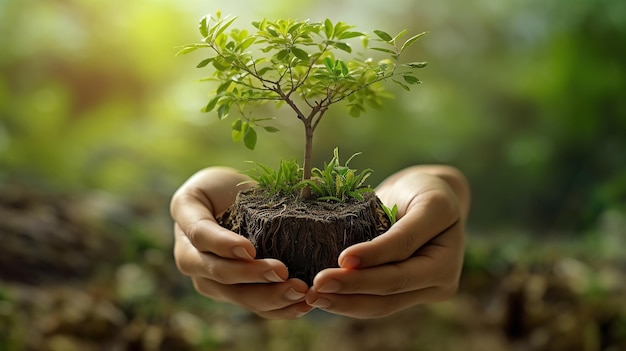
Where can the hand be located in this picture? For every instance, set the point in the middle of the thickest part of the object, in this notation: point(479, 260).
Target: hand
point(418, 260)
point(220, 262)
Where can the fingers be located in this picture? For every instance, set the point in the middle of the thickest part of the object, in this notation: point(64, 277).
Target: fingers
point(220, 262)
point(207, 265)
point(294, 311)
point(429, 276)
point(438, 263)
point(280, 301)
point(199, 225)
point(257, 285)
point(394, 278)
point(208, 236)
point(373, 306)
point(429, 214)
point(215, 188)
point(195, 205)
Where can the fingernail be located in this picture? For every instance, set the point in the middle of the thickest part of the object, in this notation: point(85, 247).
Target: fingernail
point(242, 253)
point(331, 286)
point(294, 295)
point(321, 303)
point(351, 262)
point(272, 276)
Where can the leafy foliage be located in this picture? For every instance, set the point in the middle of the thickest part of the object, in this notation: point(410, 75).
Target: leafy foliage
point(392, 213)
point(296, 63)
point(288, 178)
point(334, 182)
point(337, 182)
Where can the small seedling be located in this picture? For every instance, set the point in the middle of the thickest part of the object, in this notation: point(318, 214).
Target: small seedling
point(336, 182)
point(392, 213)
point(307, 66)
point(287, 180)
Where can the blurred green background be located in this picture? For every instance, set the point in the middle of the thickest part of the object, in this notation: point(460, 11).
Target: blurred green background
point(100, 123)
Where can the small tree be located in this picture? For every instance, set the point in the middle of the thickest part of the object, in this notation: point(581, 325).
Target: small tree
point(300, 64)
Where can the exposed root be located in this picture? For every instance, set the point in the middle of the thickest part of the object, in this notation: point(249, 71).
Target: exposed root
point(307, 236)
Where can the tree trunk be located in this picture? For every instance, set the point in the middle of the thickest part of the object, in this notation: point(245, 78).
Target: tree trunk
point(307, 166)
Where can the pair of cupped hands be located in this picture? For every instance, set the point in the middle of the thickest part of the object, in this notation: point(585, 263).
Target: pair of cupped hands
point(418, 260)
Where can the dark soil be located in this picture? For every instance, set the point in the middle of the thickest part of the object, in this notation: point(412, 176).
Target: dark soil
point(307, 236)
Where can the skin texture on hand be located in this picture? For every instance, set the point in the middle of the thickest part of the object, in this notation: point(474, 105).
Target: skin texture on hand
point(220, 262)
point(417, 261)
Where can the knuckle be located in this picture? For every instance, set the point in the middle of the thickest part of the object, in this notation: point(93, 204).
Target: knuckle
point(213, 270)
point(442, 202)
point(182, 261)
point(182, 267)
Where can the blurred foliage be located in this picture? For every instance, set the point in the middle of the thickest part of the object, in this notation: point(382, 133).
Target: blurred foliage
point(525, 97)
point(100, 123)
point(514, 294)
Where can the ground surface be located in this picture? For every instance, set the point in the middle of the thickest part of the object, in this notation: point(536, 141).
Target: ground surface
point(95, 273)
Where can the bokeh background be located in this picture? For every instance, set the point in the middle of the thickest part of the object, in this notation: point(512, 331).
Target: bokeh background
point(100, 123)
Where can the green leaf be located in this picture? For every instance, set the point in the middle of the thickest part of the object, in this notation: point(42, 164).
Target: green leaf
point(392, 213)
point(351, 157)
point(220, 64)
point(271, 129)
point(272, 32)
point(224, 86)
point(415, 64)
point(411, 40)
point(295, 27)
point(405, 87)
point(400, 35)
point(237, 130)
point(223, 27)
point(389, 51)
point(355, 110)
point(211, 105)
point(249, 138)
point(328, 28)
point(260, 25)
point(245, 44)
point(264, 70)
point(349, 35)
point(190, 48)
point(204, 28)
point(282, 55)
point(330, 64)
point(205, 62)
point(383, 35)
point(344, 68)
point(411, 79)
point(223, 110)
point(340, 27)
point(342, 46)
point(299, 53)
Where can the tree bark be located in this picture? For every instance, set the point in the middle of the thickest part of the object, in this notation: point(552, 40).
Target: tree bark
point(308, 150)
